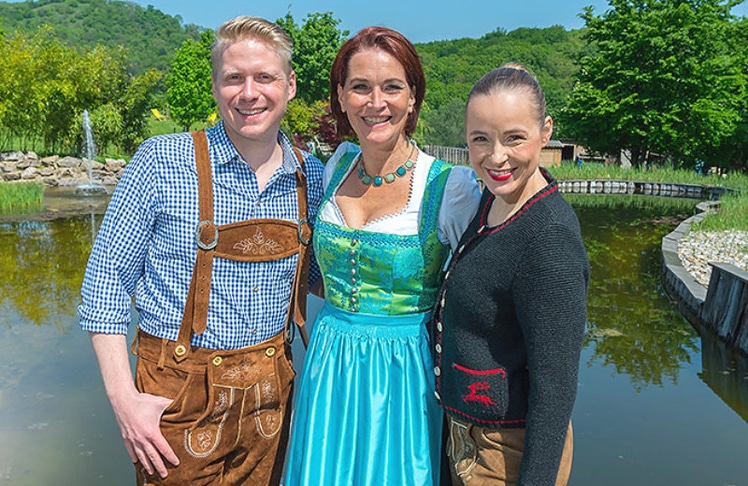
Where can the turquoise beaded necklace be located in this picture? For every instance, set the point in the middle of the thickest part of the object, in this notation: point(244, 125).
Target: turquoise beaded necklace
point(389, 178)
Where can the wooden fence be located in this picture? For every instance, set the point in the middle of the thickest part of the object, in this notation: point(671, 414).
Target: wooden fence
point(453, 155)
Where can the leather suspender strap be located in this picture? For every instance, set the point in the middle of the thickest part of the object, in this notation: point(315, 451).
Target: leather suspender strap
point(195, 315)
point(301, 278)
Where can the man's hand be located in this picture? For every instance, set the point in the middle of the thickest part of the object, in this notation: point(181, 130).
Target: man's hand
point(138, 418)
point(138, 414)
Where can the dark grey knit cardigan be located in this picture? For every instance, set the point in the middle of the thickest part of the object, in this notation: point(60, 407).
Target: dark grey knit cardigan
point(509, 326)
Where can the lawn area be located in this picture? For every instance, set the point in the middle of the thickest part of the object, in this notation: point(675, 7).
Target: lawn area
point(20, 195)
point(733, 213)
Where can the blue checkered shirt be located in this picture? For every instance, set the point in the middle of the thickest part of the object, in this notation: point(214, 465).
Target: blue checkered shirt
point(146, 248)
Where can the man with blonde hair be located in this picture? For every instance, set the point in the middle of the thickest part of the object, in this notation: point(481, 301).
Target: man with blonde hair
point(209, 231)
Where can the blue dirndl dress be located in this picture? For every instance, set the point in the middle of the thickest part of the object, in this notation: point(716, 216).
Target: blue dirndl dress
point(366, 413)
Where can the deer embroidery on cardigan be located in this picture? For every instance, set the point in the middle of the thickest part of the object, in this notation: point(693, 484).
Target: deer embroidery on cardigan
point(475, 396)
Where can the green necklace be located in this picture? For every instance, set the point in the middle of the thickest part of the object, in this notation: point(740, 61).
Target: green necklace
point(377, 180)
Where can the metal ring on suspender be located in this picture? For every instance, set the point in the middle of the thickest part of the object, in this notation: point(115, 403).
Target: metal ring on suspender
point(302, 222)
point(291, 333)
point(198, 234)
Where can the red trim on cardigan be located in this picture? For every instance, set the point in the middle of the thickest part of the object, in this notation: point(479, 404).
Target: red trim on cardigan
point(492, 422)
point(497, 371)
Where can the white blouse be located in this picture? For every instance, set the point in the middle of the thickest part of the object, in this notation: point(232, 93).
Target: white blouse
point(459, 203)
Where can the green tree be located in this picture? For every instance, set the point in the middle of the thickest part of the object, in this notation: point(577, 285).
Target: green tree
point(188, 87)
point(316, 43)
point(659, 77)
point(46, 85)
point(135, 103)
point(735, 148)
point(447, 123)
point(148, 35)
point(301, 119)
point(453, 66)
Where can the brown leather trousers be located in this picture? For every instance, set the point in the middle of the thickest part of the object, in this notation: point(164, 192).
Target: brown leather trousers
point(230, 413)
point(230, 416)
point(479, 455)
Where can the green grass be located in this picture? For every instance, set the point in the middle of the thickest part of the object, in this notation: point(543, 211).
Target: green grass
point(167, 125)
point(163, 126)
point(733, 213)
point(20, 195)
point(569, 171)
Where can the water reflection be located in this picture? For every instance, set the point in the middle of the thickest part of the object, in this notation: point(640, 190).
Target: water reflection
point(43, 263)
point(725, 372)
point(651, 392)
point(632, 326)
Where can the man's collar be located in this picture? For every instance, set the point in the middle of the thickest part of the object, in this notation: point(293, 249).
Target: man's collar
point(223, 151)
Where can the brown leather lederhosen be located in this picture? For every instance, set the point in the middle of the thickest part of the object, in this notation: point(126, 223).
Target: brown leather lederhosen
point(228, 421)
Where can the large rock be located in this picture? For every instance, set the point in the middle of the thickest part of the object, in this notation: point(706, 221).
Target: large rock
point(17, 156)
point(94, 164)
point(114, 165)
point(51, 160)
point(8, 166)
point(69, 162)
point(30, 173)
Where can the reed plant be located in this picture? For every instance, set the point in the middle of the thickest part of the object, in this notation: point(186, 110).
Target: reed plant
point(568, 171)
point(20, 195)
point(733, 212)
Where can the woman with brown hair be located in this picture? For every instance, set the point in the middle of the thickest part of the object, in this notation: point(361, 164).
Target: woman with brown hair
point(366, 412)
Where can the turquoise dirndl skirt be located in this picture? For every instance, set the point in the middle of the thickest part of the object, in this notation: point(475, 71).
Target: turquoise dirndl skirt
point(366, 413)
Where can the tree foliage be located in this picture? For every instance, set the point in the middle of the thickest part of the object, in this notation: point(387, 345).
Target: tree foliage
point(148, 35)
point(660, 77)
point(46, 85)
point(453, 66)
point(188, 89)
point(316, 43)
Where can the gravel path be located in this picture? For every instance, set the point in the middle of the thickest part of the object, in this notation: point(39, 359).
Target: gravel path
point(699, 248)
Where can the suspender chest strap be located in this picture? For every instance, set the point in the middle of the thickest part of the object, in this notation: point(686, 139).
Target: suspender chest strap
point(254, 240)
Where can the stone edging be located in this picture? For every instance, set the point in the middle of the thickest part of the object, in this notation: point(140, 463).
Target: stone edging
point(680, 285)
point(58, 171)
point(598, 186)
point(720, 309)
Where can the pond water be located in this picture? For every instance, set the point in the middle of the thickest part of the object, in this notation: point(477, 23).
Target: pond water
point(657, 404)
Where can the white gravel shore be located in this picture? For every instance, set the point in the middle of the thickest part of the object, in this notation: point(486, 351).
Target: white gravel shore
point(699, 248)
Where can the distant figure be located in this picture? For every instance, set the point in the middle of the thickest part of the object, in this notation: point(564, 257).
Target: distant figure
point(366, 413)
point(699, 167)
point(209, 232)
point(510, 316)
point(579, 161)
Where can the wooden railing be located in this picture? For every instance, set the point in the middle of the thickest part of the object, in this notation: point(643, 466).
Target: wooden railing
point(453, 155)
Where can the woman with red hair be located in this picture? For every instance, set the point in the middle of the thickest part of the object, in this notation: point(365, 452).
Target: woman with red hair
point(366, 412)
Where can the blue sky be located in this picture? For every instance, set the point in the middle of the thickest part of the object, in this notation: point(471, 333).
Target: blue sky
point(419, 20)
